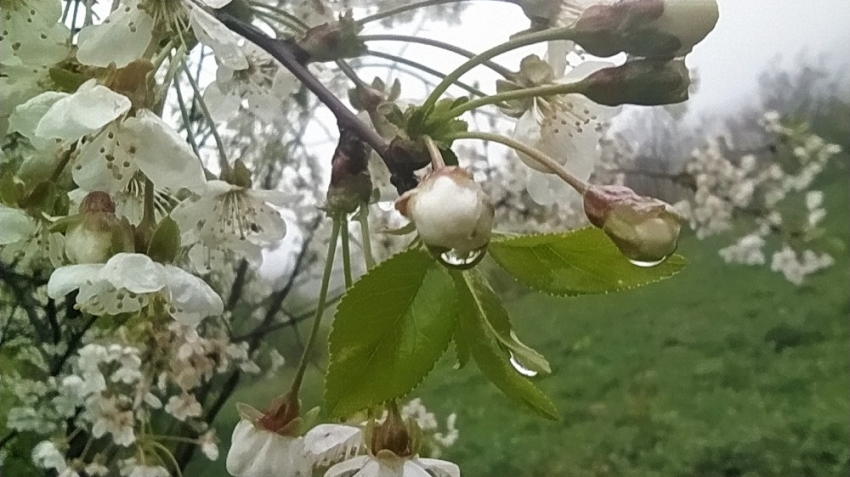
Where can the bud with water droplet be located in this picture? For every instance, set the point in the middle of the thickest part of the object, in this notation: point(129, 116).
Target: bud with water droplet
point(97, 233)
point(646, 230)
point(646, 28)
point(451, 212)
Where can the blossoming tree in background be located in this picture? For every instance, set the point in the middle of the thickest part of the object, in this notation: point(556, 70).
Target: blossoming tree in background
point(136, 208)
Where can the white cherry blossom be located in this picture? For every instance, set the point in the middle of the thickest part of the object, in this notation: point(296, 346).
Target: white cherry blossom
point(262, 86)
point(565, 127)
point(227, 216)
point(112, 147)
point(127, 32)
point(130, 282)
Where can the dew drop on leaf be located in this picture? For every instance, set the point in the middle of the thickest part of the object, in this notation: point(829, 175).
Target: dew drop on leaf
point(522, 369)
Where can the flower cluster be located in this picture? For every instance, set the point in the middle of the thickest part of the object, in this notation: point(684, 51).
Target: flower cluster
point(135, 254)
point(765, 196)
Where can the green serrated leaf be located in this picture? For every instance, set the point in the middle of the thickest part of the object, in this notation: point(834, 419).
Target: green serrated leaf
point(165, 241)
point(574, 263)
point(390, 329)
point(490, 307)
point(491, 358)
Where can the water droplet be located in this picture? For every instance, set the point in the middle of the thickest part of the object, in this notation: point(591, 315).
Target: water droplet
point(453, 259)
point(522, 369)
point(647, 263)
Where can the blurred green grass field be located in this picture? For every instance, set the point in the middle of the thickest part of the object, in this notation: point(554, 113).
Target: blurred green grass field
point(722, 371)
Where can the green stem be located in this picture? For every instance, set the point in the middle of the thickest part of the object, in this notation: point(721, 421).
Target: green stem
point(525, 40)
point(421, 67)
point(184, 113)
point(365, 238)
point(320, 309)
point(402, 9)
point(346, 253)
point(351, 74)
point(537, 91)
point(439, 44)
point(536, 155)
point(284, 18)
point(437, 161)
point(224, 164)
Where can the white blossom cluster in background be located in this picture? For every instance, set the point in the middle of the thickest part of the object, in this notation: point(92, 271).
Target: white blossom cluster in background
point(764, 198)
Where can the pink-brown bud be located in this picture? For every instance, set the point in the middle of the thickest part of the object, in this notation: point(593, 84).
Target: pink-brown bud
point(646, 230)
point(90, 239)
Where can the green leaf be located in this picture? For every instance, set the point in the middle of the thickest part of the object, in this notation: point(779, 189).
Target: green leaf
point(390, 329)
point(489, 306)
point(575, 263)
point(165, 241)
point(491, 358)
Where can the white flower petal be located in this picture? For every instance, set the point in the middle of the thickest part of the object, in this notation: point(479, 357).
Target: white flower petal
point(222, 106)
point(539, 189)
point(31, 35)
point(26, 117)
point(161, 153)
point(191, 298)
point(327, 443)
point(440, 468)
point(215, 35)
point(16, 225)
point(344, 469)
point(121, 39)
point(66, 279)
point(89, 109)
point(105, 162)
point(134, 272)
point(216, 4)
point(412, 469)
point(257, 452)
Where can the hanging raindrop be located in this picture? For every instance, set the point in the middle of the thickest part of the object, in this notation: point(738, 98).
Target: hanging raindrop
point(522, 369)
point(647, 263)
point(453, 259)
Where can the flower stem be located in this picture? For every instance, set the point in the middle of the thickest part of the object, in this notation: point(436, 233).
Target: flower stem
point(365, 238)
point(525, 40)
point(402, 9)
point(536, 155)
point(290, 20)
point(320, 309)
point(439, 44)
point(224, 164)
point(346, 252)
point(437, 161)
point(537, 91)
point(426, 69)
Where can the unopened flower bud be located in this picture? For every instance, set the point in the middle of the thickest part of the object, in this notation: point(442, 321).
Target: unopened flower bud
point(647, 28)
point(450, 210)
point(642, 82)
point(333, 41)
point(646, 230)
point(90, 239)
